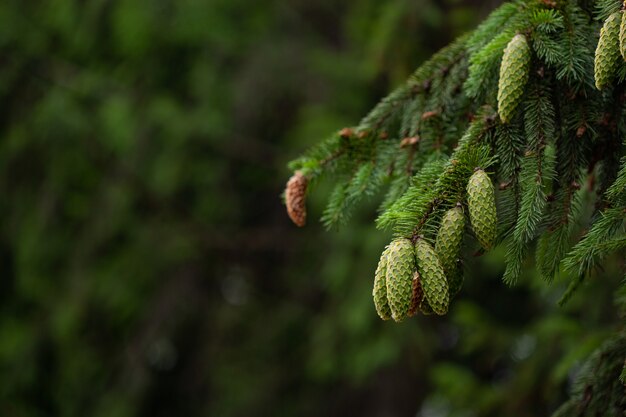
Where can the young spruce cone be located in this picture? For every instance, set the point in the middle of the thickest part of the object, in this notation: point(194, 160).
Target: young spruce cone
point(380, 288)
point(295, 198)
point(607, 51)
point(481, 203)
point(622, 36)
point(400, 269)
point(433, 278)
point(448, 247)
point(449, 238)
point(455, 278)
point(514, 71)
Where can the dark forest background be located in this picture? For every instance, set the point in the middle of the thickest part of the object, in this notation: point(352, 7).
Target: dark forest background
point(147, 266)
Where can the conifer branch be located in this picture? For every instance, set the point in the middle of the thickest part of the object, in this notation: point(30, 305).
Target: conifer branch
point(553, 141)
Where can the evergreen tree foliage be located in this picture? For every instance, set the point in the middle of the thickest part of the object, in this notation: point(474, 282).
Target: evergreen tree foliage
point(426, 138)
point(556, 156)
point(598, 386)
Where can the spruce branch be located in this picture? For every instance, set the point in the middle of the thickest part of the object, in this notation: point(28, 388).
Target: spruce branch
point(555, 148)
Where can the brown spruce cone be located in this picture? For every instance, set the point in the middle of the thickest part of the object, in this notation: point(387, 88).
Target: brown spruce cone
point(295, 197)
point(418, 294)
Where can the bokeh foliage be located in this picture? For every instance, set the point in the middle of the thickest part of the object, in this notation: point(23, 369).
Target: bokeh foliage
point(148, 266)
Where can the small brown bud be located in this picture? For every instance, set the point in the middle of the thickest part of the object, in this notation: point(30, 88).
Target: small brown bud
point(429, 114)
point(363, 134)
point(295, 198)
point(346, 132)
point(581, 131)
point(409, 141)
point(383, 135)
point(550, 3)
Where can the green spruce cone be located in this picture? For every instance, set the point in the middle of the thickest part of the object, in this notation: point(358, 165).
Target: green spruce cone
point(608, 51)
point(433, 278)
point(449, 238)
point(418, 294)
point(455, 278)
point(400, 269)
point(514, 71)
point(622, 36)
point(481, 203)
point(380, 288)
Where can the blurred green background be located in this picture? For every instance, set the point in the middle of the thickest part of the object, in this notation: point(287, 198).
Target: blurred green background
point(148, 266)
